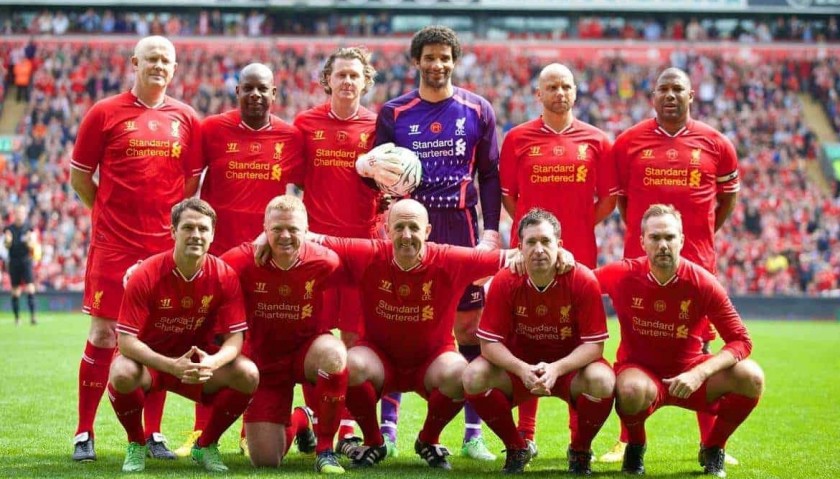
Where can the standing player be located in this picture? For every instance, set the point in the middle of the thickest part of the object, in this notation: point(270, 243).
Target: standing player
point(146, 147)
point(21, 242)
point(409, 296)
point(337, 201)
point(175, 303)
point(542, 334)
point(674, 159)
point(287, 338)
point(453, 132)
point(663, 303)
point(562, 165)
point(250, 155)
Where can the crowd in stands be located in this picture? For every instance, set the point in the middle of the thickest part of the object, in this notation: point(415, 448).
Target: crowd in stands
point(254, 23)
point(783, 238)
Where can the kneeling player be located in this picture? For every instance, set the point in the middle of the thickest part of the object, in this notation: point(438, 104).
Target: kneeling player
point(542, 334)
point(661, 301)
point(287, 342)
point(175, 303)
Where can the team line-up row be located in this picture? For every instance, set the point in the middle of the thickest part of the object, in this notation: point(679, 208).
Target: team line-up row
point(131, 202)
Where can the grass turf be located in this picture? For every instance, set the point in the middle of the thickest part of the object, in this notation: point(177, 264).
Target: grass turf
point(793, 432)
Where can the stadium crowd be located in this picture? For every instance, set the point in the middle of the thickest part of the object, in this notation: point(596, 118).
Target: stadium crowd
point(783, 238)
point(255, 23)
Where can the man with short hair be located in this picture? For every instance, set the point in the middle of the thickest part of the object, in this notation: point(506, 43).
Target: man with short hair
point(289, 340)
point(542, 334)
point(250, 157)
point(675, 159)
point(338, 202)
point(147, 148)
point(175, 304)
point(409, 296)
point(453, 132)
point(561, 164)
point(663, 302)
point(21, 241)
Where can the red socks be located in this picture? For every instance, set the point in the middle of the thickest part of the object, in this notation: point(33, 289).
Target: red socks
point(528, 418)
point(330, 392)
point(297, 423)
point(495, 409)
point(153, 411)
point(733, 410)
point(228, 404)
point(93, 376)
point(441, 409)
point(591, 414)
point(129, 409)
point(361, 401)
point(202, 416)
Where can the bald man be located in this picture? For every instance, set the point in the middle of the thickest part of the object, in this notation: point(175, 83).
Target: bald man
point(676, 160)
point(559, 164)
point(147, 148)
point(410, 291)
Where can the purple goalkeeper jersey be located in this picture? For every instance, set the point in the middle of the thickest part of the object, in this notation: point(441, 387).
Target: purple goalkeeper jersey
point(454, 139)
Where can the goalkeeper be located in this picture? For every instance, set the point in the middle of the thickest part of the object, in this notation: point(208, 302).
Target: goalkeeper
point(453, 132)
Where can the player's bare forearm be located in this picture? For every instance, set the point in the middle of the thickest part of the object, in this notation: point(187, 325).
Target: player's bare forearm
point(509, 203)
point(229, 350)
point(580, 357)
point(7, 239)
point(722, 360)
point(725, 206)
point(133, 348)
point(498, 354)
point(84, 186)
point(604, 207)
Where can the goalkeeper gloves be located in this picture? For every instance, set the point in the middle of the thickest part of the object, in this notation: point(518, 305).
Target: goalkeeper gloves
point(381, 165)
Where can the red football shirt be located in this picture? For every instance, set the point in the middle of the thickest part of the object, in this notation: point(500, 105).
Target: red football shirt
point(686, 170)
point(280, 304)
point(246, 168)
point(562, 172)
point(337, 201)
point(544, 325)
point(662, 324)
point(143, 155)
point(171, 313)
point(410, 314)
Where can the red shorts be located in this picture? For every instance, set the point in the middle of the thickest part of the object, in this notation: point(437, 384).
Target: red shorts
point(166, 382)
point(562, 388)
point(406, 379)
point(103, 281)
point(342, 308)
point(695, 402)
point(272, 401)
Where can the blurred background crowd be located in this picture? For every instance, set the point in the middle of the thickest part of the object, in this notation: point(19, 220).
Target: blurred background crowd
point(783, 238)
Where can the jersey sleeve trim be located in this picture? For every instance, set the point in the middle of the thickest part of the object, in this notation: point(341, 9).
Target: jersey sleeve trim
point(126, 329)
point(595, 338)
point(80, 166)
point(488, 336)
point(238, 327)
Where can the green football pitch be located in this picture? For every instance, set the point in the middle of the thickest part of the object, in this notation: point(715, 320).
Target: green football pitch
point(794, 432)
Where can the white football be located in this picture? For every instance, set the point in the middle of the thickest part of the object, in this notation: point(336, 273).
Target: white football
point(410, 178)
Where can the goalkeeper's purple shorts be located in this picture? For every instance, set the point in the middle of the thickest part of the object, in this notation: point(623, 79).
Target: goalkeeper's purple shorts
point(459, 228)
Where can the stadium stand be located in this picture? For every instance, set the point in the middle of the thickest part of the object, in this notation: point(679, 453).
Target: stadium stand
point(784, 237)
